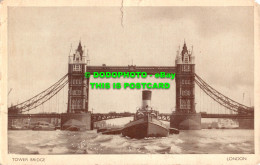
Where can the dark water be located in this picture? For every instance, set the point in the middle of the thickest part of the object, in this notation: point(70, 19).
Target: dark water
point(187, 142)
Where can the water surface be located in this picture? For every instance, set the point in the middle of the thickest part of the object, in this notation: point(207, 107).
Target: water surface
point(208, 141)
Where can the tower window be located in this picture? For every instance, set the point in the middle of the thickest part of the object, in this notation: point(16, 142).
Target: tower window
point(77, 92)
point(185, 104)
point(76, 81)
point(185, 92)
point(185, 81)
point(73, 104)
point(186, 68)
point(76, 67)
point(76, 104)
point(188, 104)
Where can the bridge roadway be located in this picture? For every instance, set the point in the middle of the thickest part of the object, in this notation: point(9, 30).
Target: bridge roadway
point(106, 116)
point(150, 70)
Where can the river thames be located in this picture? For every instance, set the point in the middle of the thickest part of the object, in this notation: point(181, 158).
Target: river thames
point(206, 141)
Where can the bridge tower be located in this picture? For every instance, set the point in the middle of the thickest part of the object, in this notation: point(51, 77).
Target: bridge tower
point(78, 89)
point(185, 116)
point(78, 84)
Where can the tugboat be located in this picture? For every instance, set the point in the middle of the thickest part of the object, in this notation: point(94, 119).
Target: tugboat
point(145, 123)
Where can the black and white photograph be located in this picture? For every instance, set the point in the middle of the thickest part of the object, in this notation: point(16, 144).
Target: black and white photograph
point(120, 80)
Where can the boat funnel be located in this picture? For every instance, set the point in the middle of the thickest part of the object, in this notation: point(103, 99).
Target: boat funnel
point(146, 98)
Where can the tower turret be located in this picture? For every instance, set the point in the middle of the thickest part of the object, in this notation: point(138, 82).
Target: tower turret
point(185, 56)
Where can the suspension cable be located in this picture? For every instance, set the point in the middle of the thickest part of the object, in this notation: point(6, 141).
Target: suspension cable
point(45, 97)
point(54, 85)
point(220, 98)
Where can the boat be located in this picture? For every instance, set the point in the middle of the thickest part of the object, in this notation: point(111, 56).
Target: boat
point(74, 125)
point(228, 124)
point(174, 131)
point(145, 123)
point(101, 130)
point(43, 126)
point(112, 131)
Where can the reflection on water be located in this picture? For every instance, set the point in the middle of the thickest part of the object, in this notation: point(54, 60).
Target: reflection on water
point(211, 141)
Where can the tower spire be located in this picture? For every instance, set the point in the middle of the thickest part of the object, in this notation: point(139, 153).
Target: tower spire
point(70, 48)
point(184, 50)
point(88, 60)
point(79, 49)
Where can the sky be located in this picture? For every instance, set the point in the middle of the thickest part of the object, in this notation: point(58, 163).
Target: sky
point(40, 39)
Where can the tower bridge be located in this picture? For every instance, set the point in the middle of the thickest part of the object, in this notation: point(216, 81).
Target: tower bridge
point(78, 94)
